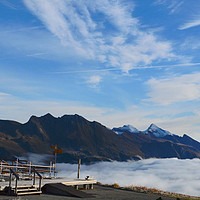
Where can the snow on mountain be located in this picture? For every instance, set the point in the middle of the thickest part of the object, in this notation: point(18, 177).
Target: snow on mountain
point(156, 131)
point(129, 128)
point(153, 130)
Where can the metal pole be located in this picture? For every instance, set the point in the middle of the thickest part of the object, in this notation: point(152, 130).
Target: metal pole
point(40, 184)
point(1, 169)
point(30, 168)
point(34, 178)
point(10, 179)
point(79, 166)
point(50, 169)
point(55, 165)
point(17, 165)
point(16, 186)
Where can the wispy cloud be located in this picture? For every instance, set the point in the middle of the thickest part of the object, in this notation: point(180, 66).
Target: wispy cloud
point(86, 71)
point(26, 41)
point(76, 24)
point(191, 44)
point(173, 6)
point(94, 80)
point(8, 4)
point(16, 29)
point(36, 54)
point(3, 94)
point(175, 89)
point(141, 67)
point(190, 24)
point(172, 175)
point(189, 64)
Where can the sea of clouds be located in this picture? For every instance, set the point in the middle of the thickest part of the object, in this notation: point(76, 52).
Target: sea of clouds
point(172, 175)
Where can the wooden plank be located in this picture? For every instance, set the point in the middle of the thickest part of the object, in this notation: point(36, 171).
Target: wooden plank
point(37, 166)
point(80, 182)
point(29, 193)
point(12, 166)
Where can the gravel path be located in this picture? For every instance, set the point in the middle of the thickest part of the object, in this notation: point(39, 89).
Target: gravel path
point(99, 192)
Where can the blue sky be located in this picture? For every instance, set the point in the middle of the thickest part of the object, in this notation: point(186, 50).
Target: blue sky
point(117, 62)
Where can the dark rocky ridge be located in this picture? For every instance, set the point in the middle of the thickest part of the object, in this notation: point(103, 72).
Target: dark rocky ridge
point(90, 141)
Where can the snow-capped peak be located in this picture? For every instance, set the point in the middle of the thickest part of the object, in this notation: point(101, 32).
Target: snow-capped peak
point(129, 128)
point(156, 131)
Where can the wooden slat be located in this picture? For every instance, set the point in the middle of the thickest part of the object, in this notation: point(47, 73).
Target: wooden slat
point(29, 193)
point(79, 182)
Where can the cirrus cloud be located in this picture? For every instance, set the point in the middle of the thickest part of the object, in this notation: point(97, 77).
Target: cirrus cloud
point(79, 25)
point(190, 24)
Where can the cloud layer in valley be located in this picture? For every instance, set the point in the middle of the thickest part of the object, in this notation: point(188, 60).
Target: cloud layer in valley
point(172, 175)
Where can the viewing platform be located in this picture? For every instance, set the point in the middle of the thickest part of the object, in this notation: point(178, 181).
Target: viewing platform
point(24, 178)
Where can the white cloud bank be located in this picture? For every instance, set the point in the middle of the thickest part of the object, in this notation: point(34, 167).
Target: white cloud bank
point(175, 89)
point(13, 108)
point(172, 175)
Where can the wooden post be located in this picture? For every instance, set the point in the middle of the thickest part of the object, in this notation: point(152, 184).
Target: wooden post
point(76, 187)
point(79, 166)
point(91, 187)
point(85, 186)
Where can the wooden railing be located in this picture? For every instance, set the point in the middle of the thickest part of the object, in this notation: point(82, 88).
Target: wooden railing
point(25, 167)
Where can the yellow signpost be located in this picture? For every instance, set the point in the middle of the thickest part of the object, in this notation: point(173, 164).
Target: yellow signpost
point(56, 150)
point(54, 147)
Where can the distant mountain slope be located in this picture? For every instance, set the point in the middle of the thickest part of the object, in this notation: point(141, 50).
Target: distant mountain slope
point(187, 140)
point(164, 144)
point(90, 141)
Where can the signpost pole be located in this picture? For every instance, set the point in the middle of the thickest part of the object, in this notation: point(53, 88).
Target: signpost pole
point(55, 165)
point(56, 150)
point(79, 166)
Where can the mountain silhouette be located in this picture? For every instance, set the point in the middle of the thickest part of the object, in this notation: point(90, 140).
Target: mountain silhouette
point(91, 141)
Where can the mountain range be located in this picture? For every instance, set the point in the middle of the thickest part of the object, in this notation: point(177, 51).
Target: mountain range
point(91, 141)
